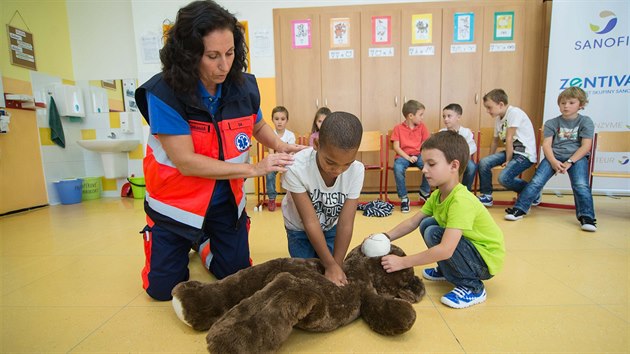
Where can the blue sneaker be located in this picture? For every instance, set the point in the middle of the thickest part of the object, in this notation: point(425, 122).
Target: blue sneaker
point(461, 297)
point(433, 274)
point(486, 199)
point(404, 205)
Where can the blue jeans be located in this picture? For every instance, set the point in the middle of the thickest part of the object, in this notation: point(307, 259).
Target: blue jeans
point(400, 166)
point(465, 267)
point(300, 246)
point(271, 185)
point(578, 174)
point(469, 174)
point(508, 177)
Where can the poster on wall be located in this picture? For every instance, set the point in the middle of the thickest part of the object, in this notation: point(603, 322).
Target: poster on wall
point(339, 32)
point(301, 33)
point(588, 48)
point(464, 27)
point(504, 26)
point(21, 48)
point(381, 29)
point(421, 28)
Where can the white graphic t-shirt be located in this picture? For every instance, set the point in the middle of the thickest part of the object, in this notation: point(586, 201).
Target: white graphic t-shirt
point(469, 136)
point(524, 138)
point(303, 176)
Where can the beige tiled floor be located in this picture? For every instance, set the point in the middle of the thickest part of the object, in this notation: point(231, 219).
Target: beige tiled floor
point(70, 282)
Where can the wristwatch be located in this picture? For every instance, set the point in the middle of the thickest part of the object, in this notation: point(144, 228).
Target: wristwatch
point(570, 161)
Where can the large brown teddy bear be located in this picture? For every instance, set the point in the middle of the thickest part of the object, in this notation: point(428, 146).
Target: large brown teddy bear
point(255, 309)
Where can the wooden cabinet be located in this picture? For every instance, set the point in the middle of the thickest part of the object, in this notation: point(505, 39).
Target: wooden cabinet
point(298, 82)
point(383, 73)
point(462, 61)
point(312, 76)
point(420, 77)
point(381, 101)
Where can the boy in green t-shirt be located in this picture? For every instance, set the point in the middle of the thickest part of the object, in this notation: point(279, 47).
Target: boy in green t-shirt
point(450, 213)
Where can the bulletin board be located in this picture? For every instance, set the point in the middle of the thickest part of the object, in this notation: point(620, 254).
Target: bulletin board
point(21, 48)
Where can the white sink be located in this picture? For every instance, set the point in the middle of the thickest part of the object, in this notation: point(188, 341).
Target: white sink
point(113, 154)
point(109, 145)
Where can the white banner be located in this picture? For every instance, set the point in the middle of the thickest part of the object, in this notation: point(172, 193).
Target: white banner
point(589, 48)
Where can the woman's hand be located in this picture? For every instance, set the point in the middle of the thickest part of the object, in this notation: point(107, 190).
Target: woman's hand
point(290, 148)
point(335, 274)
point(273, 162)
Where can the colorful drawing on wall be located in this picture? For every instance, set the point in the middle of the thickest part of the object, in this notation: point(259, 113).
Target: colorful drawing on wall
point(464, 30)
point(421, 28)
point(504, 26)
point(301, 33)
point(381, 29)
point(339, 32)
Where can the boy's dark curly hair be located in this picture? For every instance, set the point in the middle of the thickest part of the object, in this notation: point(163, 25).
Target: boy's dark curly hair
point(184, 46)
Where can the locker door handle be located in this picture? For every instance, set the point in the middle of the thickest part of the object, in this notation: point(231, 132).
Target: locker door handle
point(476, 98)
point(325, 102)
point(396, 101)
point(317, 103)
point(404, 99)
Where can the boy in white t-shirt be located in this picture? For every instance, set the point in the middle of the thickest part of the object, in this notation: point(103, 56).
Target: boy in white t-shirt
point(451, 115)
point(323, 187)
point(515, 129)
point(280, 118)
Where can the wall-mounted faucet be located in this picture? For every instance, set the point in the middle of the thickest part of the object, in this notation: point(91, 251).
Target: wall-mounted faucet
point(112, 135)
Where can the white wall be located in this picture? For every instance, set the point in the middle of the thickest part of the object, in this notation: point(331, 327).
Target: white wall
point(101, 39)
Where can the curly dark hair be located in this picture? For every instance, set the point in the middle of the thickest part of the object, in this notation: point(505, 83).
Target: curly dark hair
point(184, 46)
point(342, 130)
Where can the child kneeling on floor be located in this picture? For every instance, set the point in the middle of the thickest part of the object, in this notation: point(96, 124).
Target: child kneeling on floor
point(567, 145)
point(458, 230)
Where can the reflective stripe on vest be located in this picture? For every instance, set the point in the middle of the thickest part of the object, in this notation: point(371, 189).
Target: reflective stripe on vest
point(181, 215)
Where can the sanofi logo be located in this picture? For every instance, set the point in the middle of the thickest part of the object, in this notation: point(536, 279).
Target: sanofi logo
point(606, 24)
point(612, 22)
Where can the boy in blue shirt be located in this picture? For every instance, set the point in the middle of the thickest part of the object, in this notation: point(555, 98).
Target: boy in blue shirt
point(459, 232)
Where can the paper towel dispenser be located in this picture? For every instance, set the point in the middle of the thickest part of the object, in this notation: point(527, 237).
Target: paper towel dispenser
point(69, 100)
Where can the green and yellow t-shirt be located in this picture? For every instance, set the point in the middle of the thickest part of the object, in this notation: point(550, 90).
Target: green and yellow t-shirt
point(462, 210)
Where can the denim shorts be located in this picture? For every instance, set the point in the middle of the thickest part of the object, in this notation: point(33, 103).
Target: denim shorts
point(300, 246)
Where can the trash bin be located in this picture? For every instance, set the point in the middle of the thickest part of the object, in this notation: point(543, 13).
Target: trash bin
point(92, 187)
point(138, 187)
point(69, 190)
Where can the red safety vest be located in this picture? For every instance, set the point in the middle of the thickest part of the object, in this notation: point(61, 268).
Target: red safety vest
point(186, 199)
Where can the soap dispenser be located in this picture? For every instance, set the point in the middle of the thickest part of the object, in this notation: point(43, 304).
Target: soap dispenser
point(126, 122)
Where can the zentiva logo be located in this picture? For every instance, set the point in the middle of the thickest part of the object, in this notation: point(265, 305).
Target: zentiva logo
point(595, 82)
point(612, 22)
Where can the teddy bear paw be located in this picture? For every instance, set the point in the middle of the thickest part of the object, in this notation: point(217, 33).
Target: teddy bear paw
point(179, 310)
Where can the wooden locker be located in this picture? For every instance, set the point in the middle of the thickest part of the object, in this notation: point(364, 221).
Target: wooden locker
point(461, 67)
point(341, 74)
point(298, 68)
point(381, 102)
point(420, 72)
